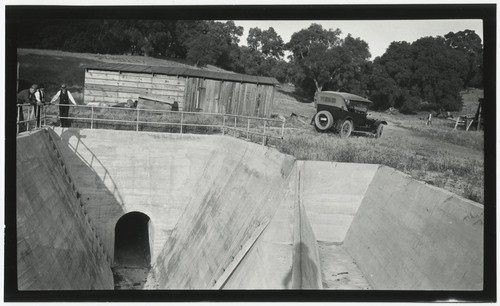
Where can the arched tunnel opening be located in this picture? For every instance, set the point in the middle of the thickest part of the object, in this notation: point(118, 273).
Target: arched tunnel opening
point(132, 241)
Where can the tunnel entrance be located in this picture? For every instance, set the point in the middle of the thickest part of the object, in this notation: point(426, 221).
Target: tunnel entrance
point(132, 247)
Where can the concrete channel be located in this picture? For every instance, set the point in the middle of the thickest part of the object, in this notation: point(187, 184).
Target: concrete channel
point(105, 209)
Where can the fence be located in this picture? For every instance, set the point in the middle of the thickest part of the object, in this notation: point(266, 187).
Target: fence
point(94, 117)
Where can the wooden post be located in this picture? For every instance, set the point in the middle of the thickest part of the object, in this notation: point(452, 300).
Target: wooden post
point(479, 119)
point(468, 123)
point(456, 123)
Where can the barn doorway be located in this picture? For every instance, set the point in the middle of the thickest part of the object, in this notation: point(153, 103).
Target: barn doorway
point(132, 240)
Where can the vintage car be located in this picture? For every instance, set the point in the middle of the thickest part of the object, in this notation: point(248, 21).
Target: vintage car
point(344, 113)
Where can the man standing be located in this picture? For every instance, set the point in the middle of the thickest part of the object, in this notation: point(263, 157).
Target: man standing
point(64, 98)
point(40, 99)
point(25, 96)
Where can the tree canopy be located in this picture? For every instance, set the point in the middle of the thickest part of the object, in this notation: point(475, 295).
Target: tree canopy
point(327, 60)
point(429, 72)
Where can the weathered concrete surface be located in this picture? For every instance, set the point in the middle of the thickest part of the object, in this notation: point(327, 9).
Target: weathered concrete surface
point(120, 172)
point(285, 256)
point(409, 235)
point(231, 214)
point(56, 247)
point(239, 190)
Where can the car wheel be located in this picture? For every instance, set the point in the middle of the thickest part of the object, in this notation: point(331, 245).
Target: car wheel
point(323, 121)
point(346, 129)
point(378, 132)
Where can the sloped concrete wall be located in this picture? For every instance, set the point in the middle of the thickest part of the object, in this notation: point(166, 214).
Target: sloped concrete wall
point(121, 171)
point(269, 262)
point(413, 236)
point(331, 193)
point(239, 190)
point(56, 248)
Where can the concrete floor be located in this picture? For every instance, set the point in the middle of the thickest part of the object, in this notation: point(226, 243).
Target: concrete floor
point(338, 269)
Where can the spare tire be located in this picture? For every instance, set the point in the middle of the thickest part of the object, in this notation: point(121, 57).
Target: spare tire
point(323, 121)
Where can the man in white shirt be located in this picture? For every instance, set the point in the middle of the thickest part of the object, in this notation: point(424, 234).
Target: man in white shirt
point(40, 99)
point(64, 97)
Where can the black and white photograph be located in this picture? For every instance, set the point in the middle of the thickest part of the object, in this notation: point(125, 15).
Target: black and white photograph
point(290, 153)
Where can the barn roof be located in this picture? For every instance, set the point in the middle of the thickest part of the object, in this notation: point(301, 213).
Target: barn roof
point(185, 72)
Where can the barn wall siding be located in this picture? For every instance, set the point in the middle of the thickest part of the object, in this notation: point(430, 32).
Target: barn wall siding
point(115, 87)
point(192, 93)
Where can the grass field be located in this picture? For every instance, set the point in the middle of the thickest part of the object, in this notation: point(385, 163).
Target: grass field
point(437, 154)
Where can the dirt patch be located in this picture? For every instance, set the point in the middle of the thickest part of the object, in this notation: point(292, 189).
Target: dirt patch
point(127, 278)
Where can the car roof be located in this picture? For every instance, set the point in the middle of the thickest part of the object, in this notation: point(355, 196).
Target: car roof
point(347, 96)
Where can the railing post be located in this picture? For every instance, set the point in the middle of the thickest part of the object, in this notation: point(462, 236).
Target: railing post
point(264, 136)
point(235, 118)
point(137, 121)
point(182, 120)
point(223, 123)
point(248, 127)
point(92, 118)
point(29, 119)
point(17, 123)
point(44, 115)
point(282, 129)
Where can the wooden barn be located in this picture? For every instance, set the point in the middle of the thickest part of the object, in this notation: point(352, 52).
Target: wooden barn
point(194, 90)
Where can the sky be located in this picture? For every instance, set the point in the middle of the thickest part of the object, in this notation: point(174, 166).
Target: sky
point(377, 33)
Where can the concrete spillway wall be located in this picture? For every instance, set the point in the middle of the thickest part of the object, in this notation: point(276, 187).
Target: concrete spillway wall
point(237, 194)
point(56, 247)
point(407, 234)
point(120, 172)
point(228, 214)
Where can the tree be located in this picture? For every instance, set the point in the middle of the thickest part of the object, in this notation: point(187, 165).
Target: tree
point(426, 71)
point(268, 42)
point(326, 59)
point(208, 42)
point(469, 44)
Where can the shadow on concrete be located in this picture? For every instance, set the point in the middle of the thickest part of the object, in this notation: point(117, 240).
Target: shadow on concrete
point(304, 271)
point(65, 137)
point(102, 203)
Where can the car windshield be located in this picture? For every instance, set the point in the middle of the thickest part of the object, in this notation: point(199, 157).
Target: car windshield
point(359, 106)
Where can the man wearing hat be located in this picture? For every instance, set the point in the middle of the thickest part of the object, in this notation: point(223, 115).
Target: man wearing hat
point(25, 96)
point(64, 97)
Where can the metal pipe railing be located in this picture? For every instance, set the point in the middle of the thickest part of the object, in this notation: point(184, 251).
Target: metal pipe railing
point(257, 122)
